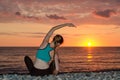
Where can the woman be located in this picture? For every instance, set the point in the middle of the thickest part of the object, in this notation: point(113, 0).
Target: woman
point(46, 57)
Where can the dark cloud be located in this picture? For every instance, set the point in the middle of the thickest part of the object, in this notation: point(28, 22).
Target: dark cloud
point(26, 16)
point(18, 13)
point(56, 17)
point(105, 13)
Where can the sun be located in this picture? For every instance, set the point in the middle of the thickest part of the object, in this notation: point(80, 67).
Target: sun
point(89, 44)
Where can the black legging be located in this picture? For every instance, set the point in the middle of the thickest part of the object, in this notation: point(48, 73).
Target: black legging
point(38, 72)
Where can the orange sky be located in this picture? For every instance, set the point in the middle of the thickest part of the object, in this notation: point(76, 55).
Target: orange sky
point(31, 34)
point(25, 23)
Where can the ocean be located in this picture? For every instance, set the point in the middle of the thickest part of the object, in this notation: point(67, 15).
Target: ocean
point(72, 59)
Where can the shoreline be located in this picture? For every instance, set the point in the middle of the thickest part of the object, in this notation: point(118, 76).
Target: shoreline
point(95, 71)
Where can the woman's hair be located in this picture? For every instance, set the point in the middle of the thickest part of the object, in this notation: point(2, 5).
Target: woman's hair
point(58, 39)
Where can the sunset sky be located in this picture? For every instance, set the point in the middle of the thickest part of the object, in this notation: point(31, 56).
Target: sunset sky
point(26, 22)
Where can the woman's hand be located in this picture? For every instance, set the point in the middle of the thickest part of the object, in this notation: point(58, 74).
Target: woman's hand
point(69, 25)
point(55, 72)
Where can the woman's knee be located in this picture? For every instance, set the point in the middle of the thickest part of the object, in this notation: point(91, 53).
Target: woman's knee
point(26, 58)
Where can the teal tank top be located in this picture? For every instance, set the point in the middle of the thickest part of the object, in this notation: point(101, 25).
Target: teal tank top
point(44, 54)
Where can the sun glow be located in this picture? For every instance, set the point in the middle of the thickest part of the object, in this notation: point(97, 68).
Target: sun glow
point(89, 42)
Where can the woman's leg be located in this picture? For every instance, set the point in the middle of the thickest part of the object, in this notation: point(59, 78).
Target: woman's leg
point(32, 70)
point(37, 72)
point(29, 64)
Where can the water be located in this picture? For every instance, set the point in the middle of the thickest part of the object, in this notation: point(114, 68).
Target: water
point(72, 59)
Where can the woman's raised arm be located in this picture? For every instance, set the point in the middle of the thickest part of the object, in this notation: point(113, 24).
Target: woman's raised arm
point(49, 34)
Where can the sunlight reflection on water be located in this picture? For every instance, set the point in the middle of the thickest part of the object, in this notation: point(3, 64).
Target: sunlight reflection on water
point(90, 54)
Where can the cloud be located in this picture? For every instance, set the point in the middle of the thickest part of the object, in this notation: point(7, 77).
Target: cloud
point(6, 33)
point(117, 27)
point(118, 1)
point(105, 13)
point(26, 16)
point(34, 33)
point(56, 17)
point(24, 34)
point(41, 11)
point(18, 13)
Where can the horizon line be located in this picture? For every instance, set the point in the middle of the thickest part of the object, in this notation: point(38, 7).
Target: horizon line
point(63, 46)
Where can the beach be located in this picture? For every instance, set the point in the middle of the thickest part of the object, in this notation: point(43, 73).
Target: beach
point(108, 75)
point(76, 63)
